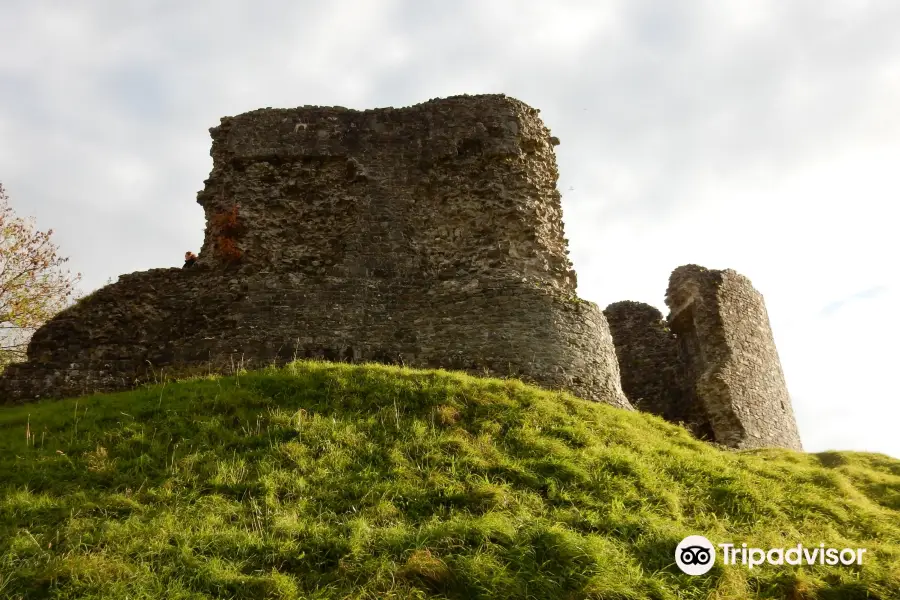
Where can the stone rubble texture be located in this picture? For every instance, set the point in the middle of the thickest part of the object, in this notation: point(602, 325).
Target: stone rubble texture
point(654, 375)
point(429, 236)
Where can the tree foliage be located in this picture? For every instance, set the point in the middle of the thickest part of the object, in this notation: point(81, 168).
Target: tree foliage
point(33, 285)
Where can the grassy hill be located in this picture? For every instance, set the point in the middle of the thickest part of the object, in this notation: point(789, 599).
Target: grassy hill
point(335, 481)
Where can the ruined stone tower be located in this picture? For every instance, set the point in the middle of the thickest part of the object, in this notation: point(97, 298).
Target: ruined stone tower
point(712, 365)
point(430, 236)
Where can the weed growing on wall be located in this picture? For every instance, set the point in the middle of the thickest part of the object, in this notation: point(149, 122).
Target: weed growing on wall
point(229, 229)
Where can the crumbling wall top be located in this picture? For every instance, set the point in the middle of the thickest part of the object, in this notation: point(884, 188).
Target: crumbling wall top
point(498, 122)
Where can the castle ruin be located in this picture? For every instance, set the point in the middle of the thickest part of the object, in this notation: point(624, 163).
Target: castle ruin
point(711, 365)
point(429, 236)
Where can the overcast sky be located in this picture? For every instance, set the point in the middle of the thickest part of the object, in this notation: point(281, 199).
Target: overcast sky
point(757, 135)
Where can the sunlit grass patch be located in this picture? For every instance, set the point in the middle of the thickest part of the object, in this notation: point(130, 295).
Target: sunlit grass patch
point(320, 480)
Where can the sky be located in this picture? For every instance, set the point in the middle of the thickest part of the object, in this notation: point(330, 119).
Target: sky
point(757, 135)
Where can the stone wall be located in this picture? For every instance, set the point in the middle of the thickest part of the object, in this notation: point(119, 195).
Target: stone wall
point(727, 344)
point(430, 235)
point(655, 376)
point(712, 364)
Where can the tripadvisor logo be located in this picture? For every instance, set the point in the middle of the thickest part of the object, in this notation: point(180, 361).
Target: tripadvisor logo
point(695, 555)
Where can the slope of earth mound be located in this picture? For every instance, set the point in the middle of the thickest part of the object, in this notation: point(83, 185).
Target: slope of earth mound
point(322, 480)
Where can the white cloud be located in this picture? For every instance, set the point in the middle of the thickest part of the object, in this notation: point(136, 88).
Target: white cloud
point(760, 136)
point(840, 368)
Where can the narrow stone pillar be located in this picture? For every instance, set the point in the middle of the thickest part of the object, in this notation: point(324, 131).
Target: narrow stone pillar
point(726, 341)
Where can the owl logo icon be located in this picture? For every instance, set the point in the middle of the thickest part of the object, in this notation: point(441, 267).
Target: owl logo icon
point(695, 555)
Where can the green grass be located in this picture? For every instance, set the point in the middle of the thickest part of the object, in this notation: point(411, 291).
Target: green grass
point(323, 480)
